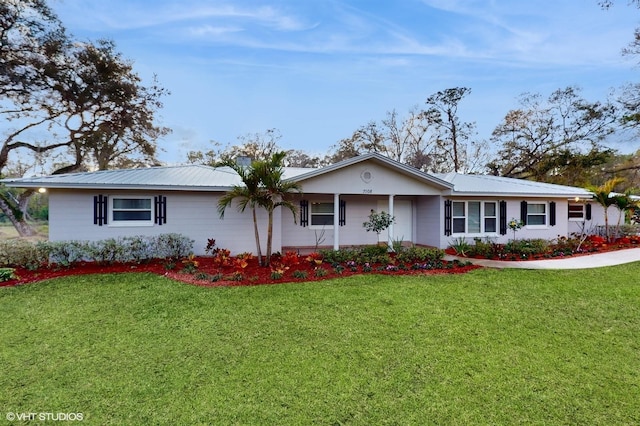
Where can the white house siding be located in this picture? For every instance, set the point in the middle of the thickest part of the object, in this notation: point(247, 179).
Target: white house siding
point(357, 211)
point(380, 181)
point(191, 214)
point(561, 228)
point(429, 222)
point(597, 219)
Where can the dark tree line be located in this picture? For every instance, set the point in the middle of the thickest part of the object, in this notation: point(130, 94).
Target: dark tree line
point(561, 138)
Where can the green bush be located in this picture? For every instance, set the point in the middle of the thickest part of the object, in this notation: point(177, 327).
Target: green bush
point(7, 274)
point(106, 251)
point(16, 252)
point(373, 254)
point(126, 249)
point(339, 256)
point(67, 252)
point(138, 249)
point(172, 246)
point(361, 255)
point(420, 254)
point(527, 248)
point(300, 274)
point(461, 246)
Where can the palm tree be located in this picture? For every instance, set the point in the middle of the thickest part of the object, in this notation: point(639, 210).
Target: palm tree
point(625, 204)
point(601, 194)
point(274, 191)
point(263, 186)
point(248, 194)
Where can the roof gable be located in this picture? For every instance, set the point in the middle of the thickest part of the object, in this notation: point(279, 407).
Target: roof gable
point(379, 160)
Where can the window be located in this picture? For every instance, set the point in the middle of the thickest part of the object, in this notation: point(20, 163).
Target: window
point(321, 214)
point(459, 217)
point(131, 211)
point(576, 212)
point(474, 217)
point(490, 217)
point(536, 214)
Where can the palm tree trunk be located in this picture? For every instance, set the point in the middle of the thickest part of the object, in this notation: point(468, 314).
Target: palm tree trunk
point(257, 234)
point(269, 237)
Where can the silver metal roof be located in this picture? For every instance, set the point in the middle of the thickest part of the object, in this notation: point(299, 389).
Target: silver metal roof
point(187, 177)
point(495, 185)
point(206, 178)
point(195, 177)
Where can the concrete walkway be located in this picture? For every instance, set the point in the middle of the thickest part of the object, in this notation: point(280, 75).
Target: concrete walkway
point(598, 260)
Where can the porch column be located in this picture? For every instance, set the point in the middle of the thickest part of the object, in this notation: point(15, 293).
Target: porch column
point(390, 230)
point(336, 221)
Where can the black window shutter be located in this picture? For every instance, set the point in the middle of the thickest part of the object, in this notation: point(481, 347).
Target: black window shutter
point(552, 213)
point(100, 210)
point(161, 209)
point(304, 212)
point(447, 217)
point(588, 212)
point(523, 212)
point(503, 217)
point(342, 213)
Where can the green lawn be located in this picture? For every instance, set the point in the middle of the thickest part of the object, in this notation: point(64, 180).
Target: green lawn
point(490, 347)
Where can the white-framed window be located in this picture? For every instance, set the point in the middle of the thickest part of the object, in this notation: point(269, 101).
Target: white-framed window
point(322, 214)
point(576, 212)
point(536, 214)
point(474, 217)
point(490, 217)
point(459, 217)
point(131, 211)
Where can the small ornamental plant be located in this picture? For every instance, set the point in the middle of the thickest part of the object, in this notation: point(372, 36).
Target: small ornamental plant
point(378, 222)
point(515, 225)
point(315, 258)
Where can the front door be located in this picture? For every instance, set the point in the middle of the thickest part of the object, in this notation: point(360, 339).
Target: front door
point(403, 226)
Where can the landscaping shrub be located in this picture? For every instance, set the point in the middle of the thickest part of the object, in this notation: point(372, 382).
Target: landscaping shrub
point(373, 254)
point(461, 246)
point(172, 246)
point(137, 249)
point(16, 252)
point(126, 249)
point(361, 255)
point(420, 254)
point(482, 248)
point(340, 256)
point(105, 251)
point(67, 252)
point(527, 248)
point(7, 274)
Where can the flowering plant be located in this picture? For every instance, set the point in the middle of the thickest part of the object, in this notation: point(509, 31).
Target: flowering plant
point(515, 225)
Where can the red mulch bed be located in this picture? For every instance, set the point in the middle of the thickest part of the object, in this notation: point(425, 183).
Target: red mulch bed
point(229, 274)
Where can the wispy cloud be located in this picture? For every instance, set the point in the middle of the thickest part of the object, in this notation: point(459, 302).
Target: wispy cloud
point(369, 55)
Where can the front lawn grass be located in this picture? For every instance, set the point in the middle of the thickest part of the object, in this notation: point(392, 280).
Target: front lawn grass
point(488, 347)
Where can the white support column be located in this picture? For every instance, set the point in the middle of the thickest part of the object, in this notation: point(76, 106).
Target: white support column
point(390, 230)
point(336, 221)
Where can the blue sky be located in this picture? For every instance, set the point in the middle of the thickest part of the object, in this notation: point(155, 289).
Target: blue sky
point(318, 69)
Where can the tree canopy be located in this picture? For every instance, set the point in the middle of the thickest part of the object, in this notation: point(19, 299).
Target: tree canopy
point(70, 105)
